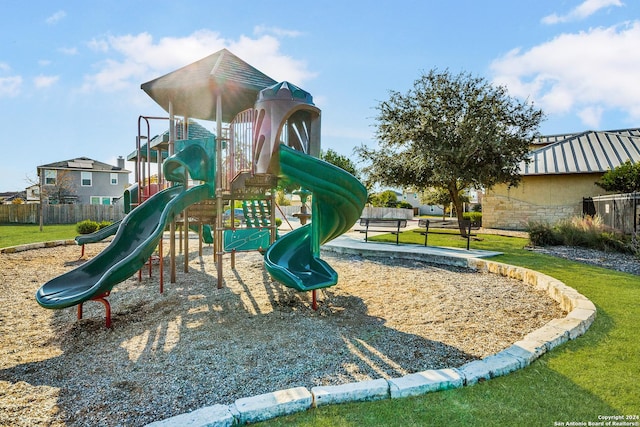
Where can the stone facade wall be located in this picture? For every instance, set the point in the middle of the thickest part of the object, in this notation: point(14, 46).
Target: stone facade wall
point(508, 213)
point(538, 198)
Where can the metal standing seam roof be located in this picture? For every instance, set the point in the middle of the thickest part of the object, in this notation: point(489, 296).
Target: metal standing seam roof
point(587, 152)
point(544, 140)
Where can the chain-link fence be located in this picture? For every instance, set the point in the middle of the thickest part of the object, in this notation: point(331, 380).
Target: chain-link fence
point(618, 211)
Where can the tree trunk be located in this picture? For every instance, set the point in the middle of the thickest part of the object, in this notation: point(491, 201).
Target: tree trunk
point(457, 203)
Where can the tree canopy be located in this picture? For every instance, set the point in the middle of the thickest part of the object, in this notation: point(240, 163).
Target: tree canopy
point(344, 162)
point(451, 132)
point(623, 179)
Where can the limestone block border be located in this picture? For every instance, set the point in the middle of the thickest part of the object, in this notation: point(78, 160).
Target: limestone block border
point(582, 313)
point(28, 247)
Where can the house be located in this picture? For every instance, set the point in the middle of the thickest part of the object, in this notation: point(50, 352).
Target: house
point(33, 193)
point(10, 197)
point(413, 198)
point(562, 170)
point(83, 181)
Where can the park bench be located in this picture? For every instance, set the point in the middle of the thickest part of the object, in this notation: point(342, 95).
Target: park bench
point(383, 225)
point(424, 224)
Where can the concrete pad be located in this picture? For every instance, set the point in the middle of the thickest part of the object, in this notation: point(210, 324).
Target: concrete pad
point(270, 405)
point(352, 392)
point(434, 254)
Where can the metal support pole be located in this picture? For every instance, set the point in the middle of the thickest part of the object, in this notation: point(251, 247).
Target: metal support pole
point(219, 201)
point(172, 226)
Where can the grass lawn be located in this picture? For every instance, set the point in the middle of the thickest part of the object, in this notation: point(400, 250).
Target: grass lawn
point(597, 374)
point(13, 235)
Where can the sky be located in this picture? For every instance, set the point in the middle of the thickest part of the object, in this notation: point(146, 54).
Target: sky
point(70, 71)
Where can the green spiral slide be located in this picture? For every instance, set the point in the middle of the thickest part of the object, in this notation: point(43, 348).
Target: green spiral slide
point(137, 236)
point(338, 200)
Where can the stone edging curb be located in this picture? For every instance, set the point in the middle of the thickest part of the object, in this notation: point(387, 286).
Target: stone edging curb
point(582, 313)
point(21, 248)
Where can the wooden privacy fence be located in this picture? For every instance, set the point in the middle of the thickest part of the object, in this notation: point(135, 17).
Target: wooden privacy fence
point(58, 214)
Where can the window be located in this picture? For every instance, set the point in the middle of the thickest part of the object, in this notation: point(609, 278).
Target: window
point(85, 179)
point(100, 200)
point(50, 177)
point(114, 179)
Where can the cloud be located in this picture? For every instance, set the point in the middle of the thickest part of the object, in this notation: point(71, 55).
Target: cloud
point(10, 86)
point(582, 11)
point(45, 81)
point(591, 116)
point(276, 31)
point(135, 58)
point(585, 73)
point(56, 17)
point(68, 50)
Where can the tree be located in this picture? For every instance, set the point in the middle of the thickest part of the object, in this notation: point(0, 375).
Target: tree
point(451, 132)
point(62, 189)
point(440, 197)
point(385, 199)
point(623, 179)
point(330, 156)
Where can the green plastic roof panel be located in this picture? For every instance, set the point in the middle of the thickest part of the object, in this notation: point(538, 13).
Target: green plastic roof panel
point(196, 131)
point(285, 90)
point(191, 89)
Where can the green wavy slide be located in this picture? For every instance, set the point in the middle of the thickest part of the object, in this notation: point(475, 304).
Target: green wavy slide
point(337, 202)
point(99, 235)
point(136, 238)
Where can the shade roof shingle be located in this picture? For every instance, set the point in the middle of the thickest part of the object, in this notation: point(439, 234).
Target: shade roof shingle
point(192, 89)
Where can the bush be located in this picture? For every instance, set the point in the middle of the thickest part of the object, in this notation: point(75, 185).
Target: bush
point(103, 224)
point(587, 232)
point(87, 227)
point(474, 217)
point(542, 234)
point(404, 205)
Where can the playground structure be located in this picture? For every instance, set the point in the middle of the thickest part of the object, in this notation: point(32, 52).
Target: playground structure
point(265, 131)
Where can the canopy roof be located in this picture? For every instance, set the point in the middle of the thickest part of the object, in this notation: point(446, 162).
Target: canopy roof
point(159, 142)
point(192, 89)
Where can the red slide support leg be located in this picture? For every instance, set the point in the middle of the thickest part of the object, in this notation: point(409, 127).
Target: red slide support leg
point(107, 308)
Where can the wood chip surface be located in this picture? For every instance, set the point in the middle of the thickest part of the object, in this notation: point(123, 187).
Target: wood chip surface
point(196, 345)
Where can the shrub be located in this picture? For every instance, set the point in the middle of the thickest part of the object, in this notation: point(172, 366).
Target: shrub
point(542, 234)
point(87, 227)
point(587, 232)
point(474, 217)
point(404, 205)
point(278, 222)
point(103, 224)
